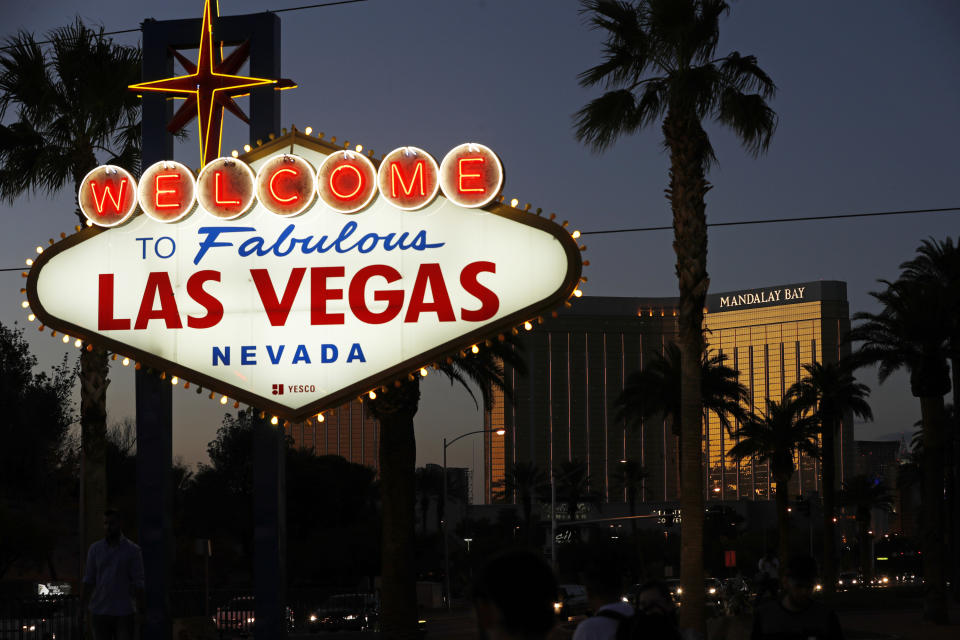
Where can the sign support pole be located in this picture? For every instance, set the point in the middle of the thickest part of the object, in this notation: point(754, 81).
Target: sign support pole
point(154, 398)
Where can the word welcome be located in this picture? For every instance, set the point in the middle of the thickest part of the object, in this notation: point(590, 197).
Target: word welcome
point(408, 178)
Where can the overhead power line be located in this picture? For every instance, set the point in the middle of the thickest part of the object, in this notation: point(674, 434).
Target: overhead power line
point(318, 5)
point(734, 223)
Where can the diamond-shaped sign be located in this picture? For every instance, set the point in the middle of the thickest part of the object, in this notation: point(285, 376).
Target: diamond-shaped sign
point(298, 312)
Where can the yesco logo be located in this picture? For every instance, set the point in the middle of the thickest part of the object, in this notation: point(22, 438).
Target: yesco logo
point(279, 389)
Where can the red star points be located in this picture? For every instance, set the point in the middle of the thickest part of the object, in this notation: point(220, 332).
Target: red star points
point(210, 87)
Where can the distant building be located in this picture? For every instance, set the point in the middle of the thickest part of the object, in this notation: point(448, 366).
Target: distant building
point(878, 459)
point(349, 431)
point(578, 361)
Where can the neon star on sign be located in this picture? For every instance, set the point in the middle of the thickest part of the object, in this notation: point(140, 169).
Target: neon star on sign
point(303, 266)
point(208, 87)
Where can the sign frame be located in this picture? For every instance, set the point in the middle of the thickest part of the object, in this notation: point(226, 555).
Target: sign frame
point(450, 348)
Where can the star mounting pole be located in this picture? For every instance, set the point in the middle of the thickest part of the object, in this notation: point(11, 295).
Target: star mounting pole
point(214, 87)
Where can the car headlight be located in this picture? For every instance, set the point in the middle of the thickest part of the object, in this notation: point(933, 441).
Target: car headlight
point(625, 599)
point(313, 617)
point(885, 580)
point(712, 590)
point(679, 590)
point(818, 587)
point(350, 616)
point(853, 582)
point(250, 620)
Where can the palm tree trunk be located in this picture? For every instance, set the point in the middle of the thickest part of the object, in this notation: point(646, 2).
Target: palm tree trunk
point(398, 454)
point(954, 471)
point(934, 603)
point(827, 490)
point(93, 442)
point(94, 370)
point(783, 522)
point(688, 187)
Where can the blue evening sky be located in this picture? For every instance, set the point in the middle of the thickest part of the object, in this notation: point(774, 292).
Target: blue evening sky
point(867, 101)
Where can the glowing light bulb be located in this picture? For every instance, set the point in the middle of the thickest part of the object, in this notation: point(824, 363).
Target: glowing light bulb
point(527, 326)
point(475, 349)
point(514, 203)
point(246, 148)
point(77, 343)
point(31, 317)
point(308, 131)
point(66, 339)
point(126, 362)
point(359, 148)
point(24, 304)
point(223, 400)
point(423, 371)
point(575, 234)
point(235, 153)
point(372, 395)
point(39, 249)
point(320, 417)
point(29, 262)
point(274, 420)
point(174, 380)
point(577, 292)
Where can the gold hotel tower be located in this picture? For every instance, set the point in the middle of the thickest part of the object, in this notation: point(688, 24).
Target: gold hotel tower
point(577, 362)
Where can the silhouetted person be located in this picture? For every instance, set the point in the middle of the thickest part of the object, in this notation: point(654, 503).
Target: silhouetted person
point(768, 574)
point(112, 582)
point(604, 597)
point(513, 596)
point(795, 615)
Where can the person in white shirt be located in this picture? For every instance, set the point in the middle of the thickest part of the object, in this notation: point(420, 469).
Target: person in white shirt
point(604, 595)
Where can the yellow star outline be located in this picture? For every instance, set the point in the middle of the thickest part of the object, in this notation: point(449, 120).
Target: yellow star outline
point(211, 89)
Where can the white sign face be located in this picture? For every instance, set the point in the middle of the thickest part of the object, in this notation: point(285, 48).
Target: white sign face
point(296, 314)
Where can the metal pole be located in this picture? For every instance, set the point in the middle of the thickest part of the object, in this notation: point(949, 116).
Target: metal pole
point(446, 542)
point(553, 520)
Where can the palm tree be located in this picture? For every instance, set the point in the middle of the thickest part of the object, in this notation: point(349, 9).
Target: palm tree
point(70, 106)
point(655, 390)
point(832, 393)
point(395, 408)
point(526, 483)
point(911, 331)
point(660, 63)
point(573, 486)
point(630, 476)
point(938, 263)
point(778, 436)
point(864, 494)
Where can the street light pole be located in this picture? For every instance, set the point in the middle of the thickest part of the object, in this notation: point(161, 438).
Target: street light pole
point(553, 520)
point(443, 522)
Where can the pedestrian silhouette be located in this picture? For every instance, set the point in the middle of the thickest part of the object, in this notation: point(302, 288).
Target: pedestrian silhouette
point(112, 582)
point(795, 615)
point(513, 596)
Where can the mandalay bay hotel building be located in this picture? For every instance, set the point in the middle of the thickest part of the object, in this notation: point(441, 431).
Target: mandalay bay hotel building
point(576, 366)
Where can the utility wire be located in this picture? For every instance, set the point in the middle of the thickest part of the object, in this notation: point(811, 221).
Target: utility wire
point(735, 223)
point(300, 8)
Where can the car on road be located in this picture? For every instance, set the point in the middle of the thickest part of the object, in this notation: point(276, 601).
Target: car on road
point(346, 612)
point(572, 601)
point(849, 580)
point(237, 617)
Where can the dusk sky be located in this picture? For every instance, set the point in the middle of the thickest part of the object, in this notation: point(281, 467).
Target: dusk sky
point(867, 103)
